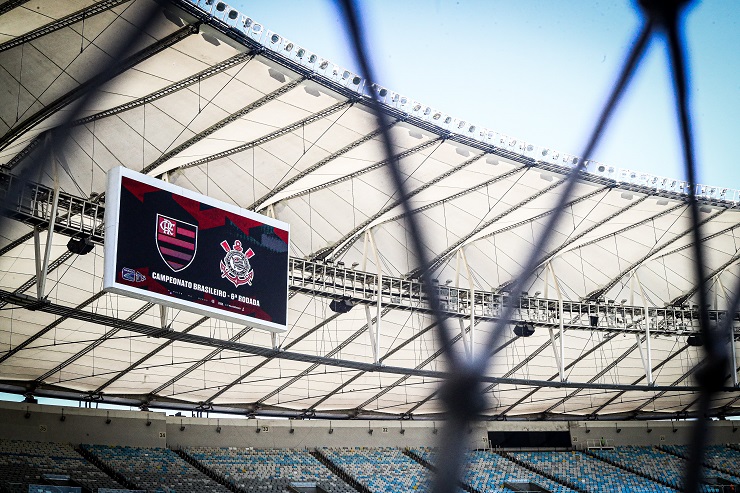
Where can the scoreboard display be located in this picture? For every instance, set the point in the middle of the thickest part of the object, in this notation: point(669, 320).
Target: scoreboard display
point(175, 247)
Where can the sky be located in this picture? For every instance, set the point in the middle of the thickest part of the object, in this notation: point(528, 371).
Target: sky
point(540, 71)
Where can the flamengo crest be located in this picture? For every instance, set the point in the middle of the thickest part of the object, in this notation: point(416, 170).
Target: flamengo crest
point(235, 266)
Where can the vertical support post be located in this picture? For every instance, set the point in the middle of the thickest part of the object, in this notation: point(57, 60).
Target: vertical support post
point(648, 350)
point(163, 316)
point(275, 340)
point(463, 335)
point(37, 253)
point(733, 349)
point(368, 317)
point(41, 280)
point(374, 333)
point(471, 287)
point(559, 355)
point(648, 362)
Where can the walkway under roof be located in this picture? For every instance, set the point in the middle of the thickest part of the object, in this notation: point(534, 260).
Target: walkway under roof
point(220, 105)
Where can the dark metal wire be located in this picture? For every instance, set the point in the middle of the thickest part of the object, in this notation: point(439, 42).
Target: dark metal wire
point(461, 393)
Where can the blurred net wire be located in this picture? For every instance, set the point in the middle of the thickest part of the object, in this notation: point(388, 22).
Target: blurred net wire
point(462, 392)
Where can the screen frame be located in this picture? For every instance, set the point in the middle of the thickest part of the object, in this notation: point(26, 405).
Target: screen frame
point(112, 221)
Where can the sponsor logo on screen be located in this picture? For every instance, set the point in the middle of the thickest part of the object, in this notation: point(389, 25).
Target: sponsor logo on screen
point(235, 266)
point(177, 242)
point(132, 275)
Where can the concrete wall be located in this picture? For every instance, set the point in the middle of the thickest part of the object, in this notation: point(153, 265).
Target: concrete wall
point(203, 432)
point(584, 433)
point(43, 423)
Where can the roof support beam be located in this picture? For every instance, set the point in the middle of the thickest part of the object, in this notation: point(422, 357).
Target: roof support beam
point(20, 347)
point(521, 364)
point(16, 243)
point(143, 359)
point(319, 115)
point(263, 363)
point(58, 24)
point(465, 239)
point(434, 394)
point(421, 365)
point(94, 345)
point(267, 199)
point(660, 394)
point(156, 331)
point(149, 98)
point(350, 238)
point(330, 354)
point(600, 374)
point(10, 5)
point(680, 300)
point(200, 363)
point(95, 82)
point(600, 292)
point(636, 382)
point(390, 353)
point(284, 89)
point(409, 152)
point(32, 281)
point(573, 363)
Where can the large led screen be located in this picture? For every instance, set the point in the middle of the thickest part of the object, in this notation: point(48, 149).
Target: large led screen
point(175, 247)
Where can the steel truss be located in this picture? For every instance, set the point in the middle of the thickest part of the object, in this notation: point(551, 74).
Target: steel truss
point(78, 216)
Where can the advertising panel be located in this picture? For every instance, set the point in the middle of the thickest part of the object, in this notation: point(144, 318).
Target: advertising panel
point(175, 247)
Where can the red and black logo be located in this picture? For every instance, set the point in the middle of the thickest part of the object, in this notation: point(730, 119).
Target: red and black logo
point(177, 242)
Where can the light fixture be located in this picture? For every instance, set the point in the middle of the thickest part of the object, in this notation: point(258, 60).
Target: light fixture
point(695, 340)
point(356, 80)
point(233, 14)
point(80, 246)
point(437, 116)
point(383, 92)
point(246, 22)
point(346, 74)
point(220, 6)
point(461, 124)
point(312, 59)
point(417, 107)
point(340, 306)
point(275, 38)
point(257, 28)
point(523, 329)
point(448, 119)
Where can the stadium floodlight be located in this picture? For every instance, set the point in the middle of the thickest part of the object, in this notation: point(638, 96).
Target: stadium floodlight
point(523, 329)
point(220, 6)
point(80, 246)
point(233, 14)
point(288, 46)
point(695, 340)
point(274, 39)
point(247, 22)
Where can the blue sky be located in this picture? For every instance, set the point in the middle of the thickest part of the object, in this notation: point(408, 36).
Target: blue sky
point(539, 70)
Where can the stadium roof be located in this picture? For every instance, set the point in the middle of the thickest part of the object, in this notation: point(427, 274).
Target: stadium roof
point(222, 106)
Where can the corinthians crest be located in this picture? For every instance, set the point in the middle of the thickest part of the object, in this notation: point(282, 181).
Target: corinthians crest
point(235, 266)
